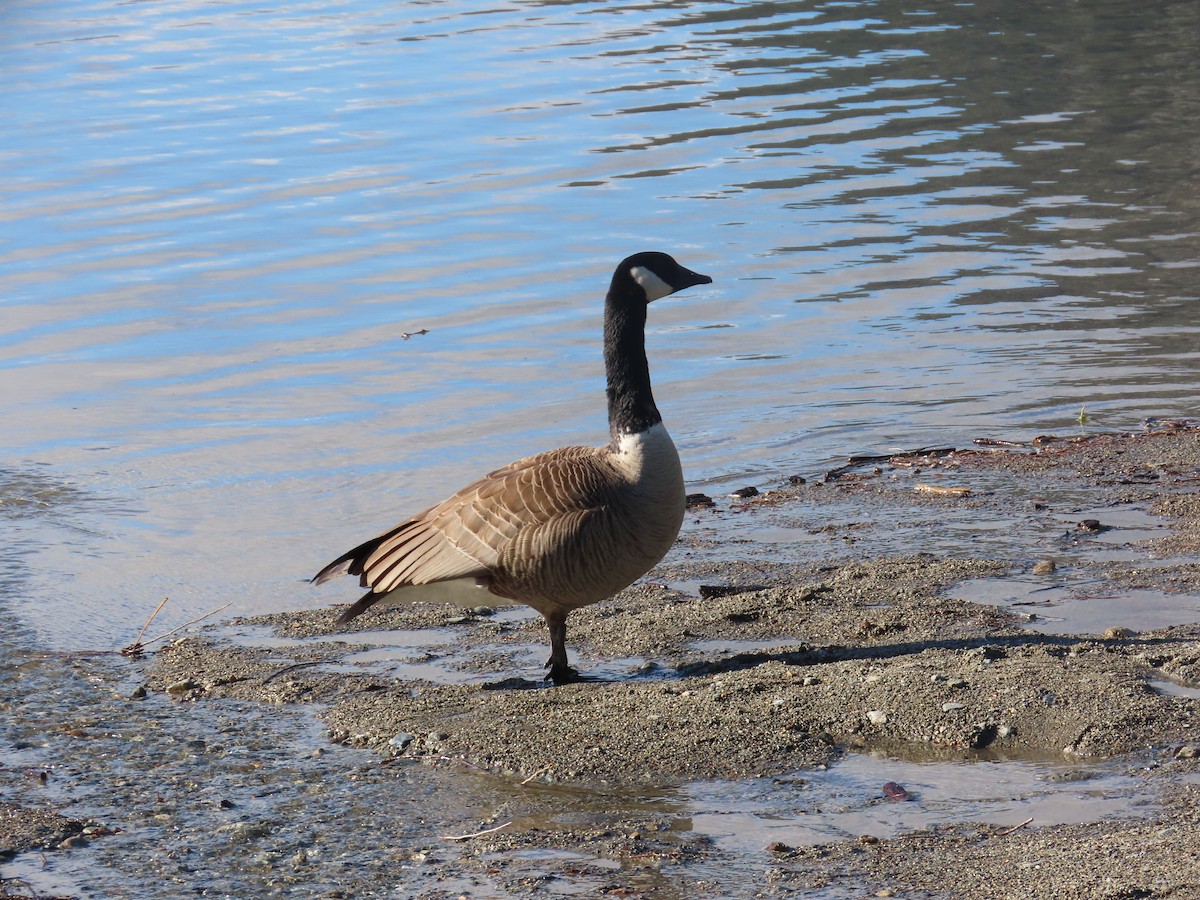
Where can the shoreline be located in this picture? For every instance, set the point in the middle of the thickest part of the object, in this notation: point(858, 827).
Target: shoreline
point(804, 646)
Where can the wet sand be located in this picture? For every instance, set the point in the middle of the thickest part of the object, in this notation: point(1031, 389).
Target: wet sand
point(787, 663)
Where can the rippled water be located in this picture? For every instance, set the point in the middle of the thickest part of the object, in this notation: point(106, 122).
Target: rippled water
point(220, 220)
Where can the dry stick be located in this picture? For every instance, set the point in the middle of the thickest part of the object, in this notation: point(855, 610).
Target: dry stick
point(137, 642)
point(186, 624)
point(1015, 827)
point(467, 837)
point(294, 666)
point(536, 774)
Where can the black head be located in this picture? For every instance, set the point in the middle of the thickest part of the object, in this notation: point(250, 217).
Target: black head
point(656, 275)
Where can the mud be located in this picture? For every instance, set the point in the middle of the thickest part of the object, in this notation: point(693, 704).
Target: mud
point(782, 635)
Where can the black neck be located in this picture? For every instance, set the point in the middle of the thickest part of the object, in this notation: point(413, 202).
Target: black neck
point(631, 408)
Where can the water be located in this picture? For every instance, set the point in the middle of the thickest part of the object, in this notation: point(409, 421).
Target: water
point(224, 225)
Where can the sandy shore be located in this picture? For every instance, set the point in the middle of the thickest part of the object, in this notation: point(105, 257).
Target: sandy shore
point(785, 664)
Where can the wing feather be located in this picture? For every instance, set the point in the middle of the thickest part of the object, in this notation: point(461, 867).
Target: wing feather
point(470, 532)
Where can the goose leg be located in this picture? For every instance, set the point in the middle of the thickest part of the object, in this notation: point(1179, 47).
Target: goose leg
point(560, 671)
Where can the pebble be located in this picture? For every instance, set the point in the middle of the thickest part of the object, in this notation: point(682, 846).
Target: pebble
point(402, 740)
point(699, 501)
point(1187, 752)
point(877, 717)
point(745, 492)
point(1045, 567)
point(1118, 632)
point(182, 687)
point(950, 707)
point(483, 611)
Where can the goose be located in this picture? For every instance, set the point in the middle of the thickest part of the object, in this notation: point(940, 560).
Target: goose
point(558, 530)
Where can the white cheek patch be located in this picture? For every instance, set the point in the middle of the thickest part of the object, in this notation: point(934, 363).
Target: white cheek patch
point(654, 286)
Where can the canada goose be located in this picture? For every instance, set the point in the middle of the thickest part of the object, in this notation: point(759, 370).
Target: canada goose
point(561, 529)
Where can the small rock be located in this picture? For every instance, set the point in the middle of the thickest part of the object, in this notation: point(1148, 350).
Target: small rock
point(1003, 731)
point(951, 707)
point(1045, 567)
point(1118, 632)
point(797, 479)
point(483, 611)
point(699, 501)
point(810, 680)
point(182, 687)
point(877, 717)
point(779, 847)
point(402, 740)
point(1187, 752)
point(139, 693)
point(868, 839)
point(1090, 526)
point(896, 793)
point(745, 492)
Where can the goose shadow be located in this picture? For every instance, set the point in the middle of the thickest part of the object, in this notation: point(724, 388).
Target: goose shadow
point(825, 655)
point(816, 656)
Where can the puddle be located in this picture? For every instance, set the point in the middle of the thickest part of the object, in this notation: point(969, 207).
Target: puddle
point(1083, 608)
point(848, 800)
point(1175, 688)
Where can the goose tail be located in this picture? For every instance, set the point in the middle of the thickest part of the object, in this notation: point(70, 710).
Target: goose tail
point(350, 563)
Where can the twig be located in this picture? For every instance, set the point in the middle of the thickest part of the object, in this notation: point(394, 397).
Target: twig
point(299, 665)
point(536, 774)
point(467, 837)
point(184, 625)
point(1014, 828)
point(137, 645)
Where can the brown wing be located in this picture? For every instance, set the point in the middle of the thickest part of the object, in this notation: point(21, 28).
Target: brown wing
point(467, 534)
